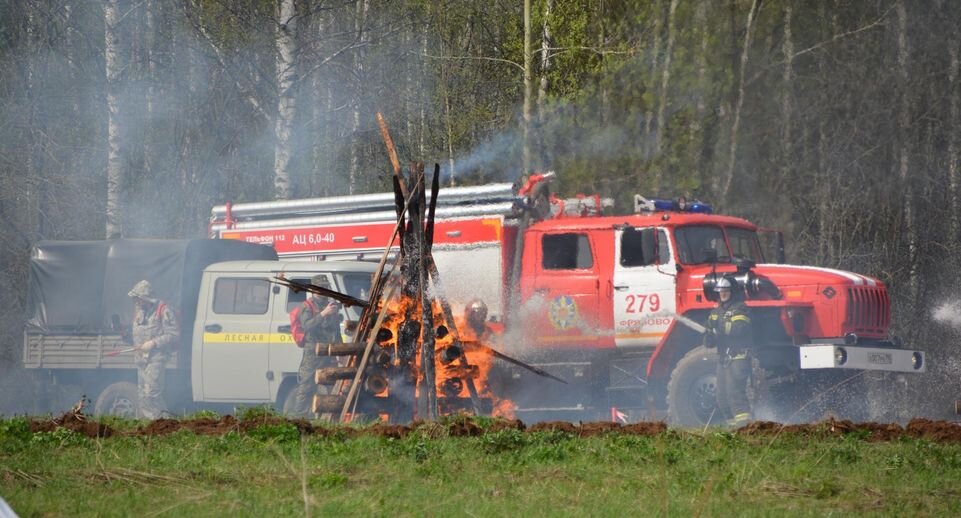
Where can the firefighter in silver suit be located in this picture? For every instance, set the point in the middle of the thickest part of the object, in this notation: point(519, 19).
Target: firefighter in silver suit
point(155, 333)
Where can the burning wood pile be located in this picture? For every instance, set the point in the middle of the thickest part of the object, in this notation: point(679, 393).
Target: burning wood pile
point(412, 359)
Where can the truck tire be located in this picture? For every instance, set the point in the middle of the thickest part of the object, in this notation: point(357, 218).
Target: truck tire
point(119, 399)
point(692, 390)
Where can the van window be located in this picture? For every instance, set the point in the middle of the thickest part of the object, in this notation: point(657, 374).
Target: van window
point(241, 296)
point(566, 252)
point(295, 299)
point(356, 285)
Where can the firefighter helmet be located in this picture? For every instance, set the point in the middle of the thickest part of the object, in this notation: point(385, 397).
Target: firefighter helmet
point(476, 312)
point(724, 284)
point(142, 290)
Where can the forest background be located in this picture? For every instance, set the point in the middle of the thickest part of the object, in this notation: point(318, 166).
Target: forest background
point(837, 121)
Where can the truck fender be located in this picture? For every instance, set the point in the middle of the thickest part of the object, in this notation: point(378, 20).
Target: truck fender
point(677, 341)
point(658, 367)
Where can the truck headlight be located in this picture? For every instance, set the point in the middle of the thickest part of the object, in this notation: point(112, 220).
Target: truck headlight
point(917, 360)
point(840, 356)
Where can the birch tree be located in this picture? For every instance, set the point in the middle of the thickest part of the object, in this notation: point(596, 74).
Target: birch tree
point(114, 166)
point(285, 71)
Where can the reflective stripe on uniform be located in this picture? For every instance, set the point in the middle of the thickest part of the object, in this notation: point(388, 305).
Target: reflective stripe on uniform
point(741, 318)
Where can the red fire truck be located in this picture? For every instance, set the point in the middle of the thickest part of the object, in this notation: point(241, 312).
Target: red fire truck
point(614, 303)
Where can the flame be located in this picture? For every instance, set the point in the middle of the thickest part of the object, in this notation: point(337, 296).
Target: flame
point(451, 377)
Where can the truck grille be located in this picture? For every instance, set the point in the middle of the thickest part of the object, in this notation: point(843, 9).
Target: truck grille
point(869, 310)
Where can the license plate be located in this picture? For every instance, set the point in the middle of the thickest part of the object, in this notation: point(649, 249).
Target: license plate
point(881, 358)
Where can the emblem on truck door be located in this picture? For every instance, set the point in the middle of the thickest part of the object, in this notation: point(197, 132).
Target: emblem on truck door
point(563, 312)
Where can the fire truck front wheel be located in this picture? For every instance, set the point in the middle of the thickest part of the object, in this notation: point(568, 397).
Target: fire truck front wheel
point(692, 390)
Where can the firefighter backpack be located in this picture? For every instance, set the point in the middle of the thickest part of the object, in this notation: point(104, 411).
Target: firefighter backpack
point(297, 331)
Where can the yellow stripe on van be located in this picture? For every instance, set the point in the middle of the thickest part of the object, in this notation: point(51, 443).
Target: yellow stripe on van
point(247, 338)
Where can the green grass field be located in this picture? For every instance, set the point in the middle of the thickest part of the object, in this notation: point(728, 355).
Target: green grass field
point(271, 470)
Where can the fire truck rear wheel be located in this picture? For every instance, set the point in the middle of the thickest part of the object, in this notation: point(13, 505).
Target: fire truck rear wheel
point(692, 390)
point(118, 399)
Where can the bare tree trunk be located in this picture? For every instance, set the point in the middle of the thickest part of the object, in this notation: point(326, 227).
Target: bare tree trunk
point(544, 81)
point(701, 88)
point(422, 100)
point(114, 172)
point(285, 99)
point(748, 34)
point(904, 166)
point(152, 7)
point(665, 83)
point(321, 181)
point(35, 181)
point(787, 77)
point(655, 55)
point(360, 24)
point(450, 137)
point(823, 183)
point(953, 128)
point(545, 58)
point(528, 58)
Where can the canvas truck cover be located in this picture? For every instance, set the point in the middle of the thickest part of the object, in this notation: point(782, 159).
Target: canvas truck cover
point(76, 287)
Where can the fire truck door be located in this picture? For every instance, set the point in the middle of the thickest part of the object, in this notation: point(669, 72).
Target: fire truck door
point(567, 288)
point(643, 286)
point(236, 331)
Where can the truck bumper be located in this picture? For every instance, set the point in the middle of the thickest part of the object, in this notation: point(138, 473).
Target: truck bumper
point(835, 356)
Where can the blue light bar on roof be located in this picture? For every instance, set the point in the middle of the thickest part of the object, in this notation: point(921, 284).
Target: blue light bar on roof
point(674, 206)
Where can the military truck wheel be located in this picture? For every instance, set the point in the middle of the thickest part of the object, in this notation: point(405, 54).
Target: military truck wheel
point(119, 399)
point(692, 390)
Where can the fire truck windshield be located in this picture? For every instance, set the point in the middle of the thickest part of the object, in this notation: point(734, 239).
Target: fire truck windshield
point(697, 244)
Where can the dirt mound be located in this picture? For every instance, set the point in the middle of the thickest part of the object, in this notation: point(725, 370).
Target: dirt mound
point(464, 428)
point(75, 422)
point(506, 424)
point(201, 426)
point(600, 428)
point(872, 432)
point(941, 431)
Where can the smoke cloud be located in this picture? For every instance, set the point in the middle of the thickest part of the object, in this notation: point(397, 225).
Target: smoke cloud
point(948, 313)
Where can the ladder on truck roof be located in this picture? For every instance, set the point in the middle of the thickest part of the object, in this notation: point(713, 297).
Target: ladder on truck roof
point(453, 202)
